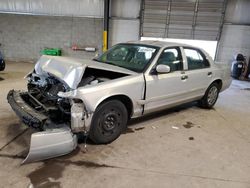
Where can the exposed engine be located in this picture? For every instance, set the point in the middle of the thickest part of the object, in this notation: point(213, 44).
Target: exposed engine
point(45, 89)
point(93, 76)
point(43, 97)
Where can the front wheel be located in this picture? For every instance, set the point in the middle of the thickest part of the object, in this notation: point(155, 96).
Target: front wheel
point(108, 122)
point(210, 97)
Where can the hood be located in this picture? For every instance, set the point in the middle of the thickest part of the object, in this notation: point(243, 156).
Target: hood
point(71, 70)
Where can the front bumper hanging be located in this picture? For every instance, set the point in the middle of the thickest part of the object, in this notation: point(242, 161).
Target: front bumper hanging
point(51, 143)
point(27, 114)
point(54, 141)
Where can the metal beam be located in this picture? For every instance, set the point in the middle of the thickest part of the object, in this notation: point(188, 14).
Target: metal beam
point(106, 25)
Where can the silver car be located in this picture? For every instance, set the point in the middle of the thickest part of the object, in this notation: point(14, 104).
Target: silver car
point(97, 97)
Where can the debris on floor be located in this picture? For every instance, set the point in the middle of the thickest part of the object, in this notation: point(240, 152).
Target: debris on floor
point(139, 128)
point(174, 127)
point(153, 127)
point(130, 130)
point(188, 125)
point(191, 138)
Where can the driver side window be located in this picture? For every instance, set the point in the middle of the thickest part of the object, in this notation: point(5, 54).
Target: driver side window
point(172, 58)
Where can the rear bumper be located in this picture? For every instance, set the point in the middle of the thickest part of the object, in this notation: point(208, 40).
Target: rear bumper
point(26, 113)
point(226, 84)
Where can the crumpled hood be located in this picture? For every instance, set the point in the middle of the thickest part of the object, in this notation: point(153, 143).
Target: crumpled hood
point(71, 70)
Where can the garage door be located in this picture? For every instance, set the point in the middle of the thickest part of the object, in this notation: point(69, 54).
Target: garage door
point(184, 19)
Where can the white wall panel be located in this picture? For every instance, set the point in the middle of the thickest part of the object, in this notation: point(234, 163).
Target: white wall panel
point(234, 39)
point(125, 8)
point(76, 8)
point(124, 30)
point(238, 12)
point(124, 23)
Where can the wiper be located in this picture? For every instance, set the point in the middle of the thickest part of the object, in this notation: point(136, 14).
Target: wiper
point(110, 63)
point(98, 60)
point(107, 62)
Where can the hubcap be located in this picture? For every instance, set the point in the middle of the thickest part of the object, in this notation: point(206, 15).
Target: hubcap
point(212, 95)
point(109, 122)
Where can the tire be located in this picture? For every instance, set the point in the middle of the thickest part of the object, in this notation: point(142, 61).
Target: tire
point(210, 97)
point(108, 122)
point(2, 65)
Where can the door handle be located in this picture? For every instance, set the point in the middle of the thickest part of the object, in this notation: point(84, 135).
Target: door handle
point(209, 73)
point(184, 77)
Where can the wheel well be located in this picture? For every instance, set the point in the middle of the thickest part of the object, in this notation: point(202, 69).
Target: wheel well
point(125, 100)
point(219, 82)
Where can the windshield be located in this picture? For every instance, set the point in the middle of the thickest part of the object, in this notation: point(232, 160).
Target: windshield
point(134, 57)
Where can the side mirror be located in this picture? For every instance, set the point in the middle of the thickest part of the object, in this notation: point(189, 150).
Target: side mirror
point(162, 69)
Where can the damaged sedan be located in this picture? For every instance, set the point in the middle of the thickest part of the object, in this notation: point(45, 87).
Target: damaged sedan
point(67, 96)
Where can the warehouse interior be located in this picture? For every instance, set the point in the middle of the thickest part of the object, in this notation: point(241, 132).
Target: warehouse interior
point(184, 146)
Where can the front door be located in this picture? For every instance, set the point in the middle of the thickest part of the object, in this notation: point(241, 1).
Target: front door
point(166, 89)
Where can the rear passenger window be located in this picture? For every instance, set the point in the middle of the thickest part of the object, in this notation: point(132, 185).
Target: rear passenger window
point(195, 59)
point(172, 58)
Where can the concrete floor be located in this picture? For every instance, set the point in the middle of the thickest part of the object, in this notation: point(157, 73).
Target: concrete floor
point(182, 147)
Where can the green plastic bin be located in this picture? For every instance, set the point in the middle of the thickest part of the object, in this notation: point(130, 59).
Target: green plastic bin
point(52, 51)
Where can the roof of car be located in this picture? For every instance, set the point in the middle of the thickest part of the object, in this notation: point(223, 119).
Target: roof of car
point(159, 43)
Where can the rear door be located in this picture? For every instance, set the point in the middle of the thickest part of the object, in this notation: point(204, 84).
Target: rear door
point(199, 73)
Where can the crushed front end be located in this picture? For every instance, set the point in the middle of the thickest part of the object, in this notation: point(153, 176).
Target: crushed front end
point(40, 104)
point(50, 115)
point(54, 103)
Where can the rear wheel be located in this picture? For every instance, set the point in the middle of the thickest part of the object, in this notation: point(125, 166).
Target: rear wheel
point(108, 122)
point(210, 97)
point(2, 65)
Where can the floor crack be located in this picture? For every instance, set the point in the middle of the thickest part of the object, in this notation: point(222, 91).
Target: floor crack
point(13, 139)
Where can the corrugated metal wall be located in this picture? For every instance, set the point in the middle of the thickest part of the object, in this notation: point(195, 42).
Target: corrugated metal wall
point(186, 19)
point(75, 8)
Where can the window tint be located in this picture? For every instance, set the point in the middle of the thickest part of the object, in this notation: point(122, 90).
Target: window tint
point(195, 59)
point(172, 58)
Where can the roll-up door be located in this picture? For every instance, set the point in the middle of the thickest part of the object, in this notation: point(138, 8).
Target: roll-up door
point(184, 19)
